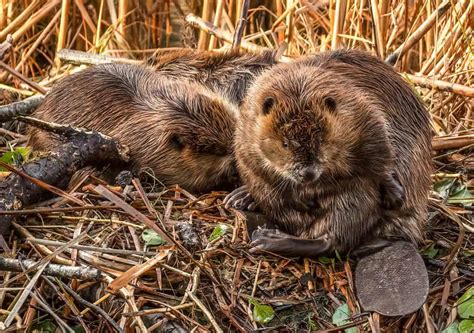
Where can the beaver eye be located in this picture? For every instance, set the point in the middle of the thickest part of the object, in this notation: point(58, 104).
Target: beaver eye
point(267, 105)
point(286, 144)
point(176, 142)
point(330, 103)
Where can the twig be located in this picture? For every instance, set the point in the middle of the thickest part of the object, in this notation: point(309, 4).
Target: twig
point(92, 248)
point(6, 46)
point(83, 273)
point(219, 33)
point(452, 142)
point(55, 210)
point(96, 308)
point(239, 31)
point(21, 300)
point(25, 80)
point(50, 311)
point(203, 308)
point(20, 108)
point(454, 88)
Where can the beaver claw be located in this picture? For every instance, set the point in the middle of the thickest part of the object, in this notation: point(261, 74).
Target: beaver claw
point(240, 199)
point(277, 242)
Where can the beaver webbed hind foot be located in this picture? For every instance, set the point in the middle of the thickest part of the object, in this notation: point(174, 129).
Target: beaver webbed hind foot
point(240, 199)
point(393, 193)
point(280, 243)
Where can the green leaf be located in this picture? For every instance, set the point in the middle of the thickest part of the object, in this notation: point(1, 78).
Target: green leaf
point(15, 156)
point(24, 152)
point(219, 231)
point(78, 329)
point(443, 187)
point(151, 238)
point(462, 196)
point(326, 260)
point(466, 304)
point(466, 326)
point(46, 326)
point(430, 252)
point(341, 316)
point(453, 328)
point(262, 314)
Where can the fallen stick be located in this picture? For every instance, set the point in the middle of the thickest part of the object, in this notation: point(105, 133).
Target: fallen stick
point(454, 88)
point(69, 272)
point(25, 80)
point(84, 58)
point(20, 108)
point(453, 142)
point(83, 148)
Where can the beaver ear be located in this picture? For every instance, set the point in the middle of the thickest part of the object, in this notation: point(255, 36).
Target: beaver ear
point(330, 103)
point(267, 105)
point(176, 142)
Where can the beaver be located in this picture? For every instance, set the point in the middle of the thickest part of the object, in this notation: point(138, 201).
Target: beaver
point(320, 142)
point(228, 73)
point(181, 130)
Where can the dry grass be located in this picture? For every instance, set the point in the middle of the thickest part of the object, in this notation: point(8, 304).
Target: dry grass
point(212, 290)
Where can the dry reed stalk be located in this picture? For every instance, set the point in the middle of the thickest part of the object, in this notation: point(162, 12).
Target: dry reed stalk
point(25, 14)
point(290, 29)
point(379, 42)
point(122, 13)
point(85, 15)
point(217, 21)
point(219, 33)
point(3, 14)
point(40, 14)
point(339, 16)
point(98, 25)
point(279, 12)
point(25, 57)
point(206, 16)
point(419, 33)
point(62, 35)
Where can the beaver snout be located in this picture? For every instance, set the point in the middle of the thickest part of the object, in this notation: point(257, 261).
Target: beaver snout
point(309, 174)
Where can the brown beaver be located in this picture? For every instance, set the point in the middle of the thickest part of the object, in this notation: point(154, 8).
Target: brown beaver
point(228, 73)
point(319, 140)
point(181, 130)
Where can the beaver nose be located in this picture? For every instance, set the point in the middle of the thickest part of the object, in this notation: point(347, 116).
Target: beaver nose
point(308, 175)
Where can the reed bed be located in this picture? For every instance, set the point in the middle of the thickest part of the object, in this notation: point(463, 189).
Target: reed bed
point(210, 282)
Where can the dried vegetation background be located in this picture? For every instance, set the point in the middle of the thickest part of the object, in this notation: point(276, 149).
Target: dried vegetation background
point(122, 279)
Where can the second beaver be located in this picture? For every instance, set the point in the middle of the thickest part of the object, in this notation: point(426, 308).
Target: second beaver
point(316, 143)
point(228, 73)
point(181, 130)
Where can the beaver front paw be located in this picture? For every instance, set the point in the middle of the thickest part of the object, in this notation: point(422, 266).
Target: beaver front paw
point(393, 193)
point(240, 199)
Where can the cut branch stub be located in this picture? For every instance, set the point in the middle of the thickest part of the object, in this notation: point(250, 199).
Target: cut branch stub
point(36, 178)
